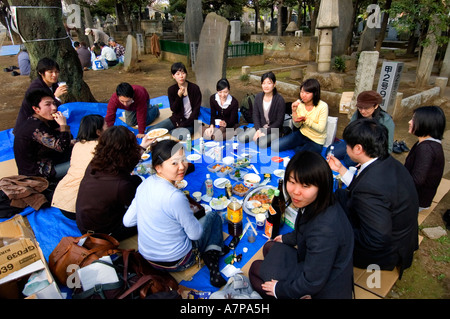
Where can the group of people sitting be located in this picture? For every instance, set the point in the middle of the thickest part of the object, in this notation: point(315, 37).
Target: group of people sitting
point(371, 221)
point(104, 47)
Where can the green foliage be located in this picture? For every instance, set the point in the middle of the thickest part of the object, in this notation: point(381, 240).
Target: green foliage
point(244, 77)
point(339, 64)
point(411, 14)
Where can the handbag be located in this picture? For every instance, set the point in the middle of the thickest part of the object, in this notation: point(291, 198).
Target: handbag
point(137, 279)
point(80, 251)
point(144, 281)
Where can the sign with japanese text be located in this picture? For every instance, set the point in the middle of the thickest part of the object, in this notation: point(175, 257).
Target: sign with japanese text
point(388, 84)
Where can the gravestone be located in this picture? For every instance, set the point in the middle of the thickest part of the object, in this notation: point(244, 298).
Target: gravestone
point(367, 40)
point(235, 33)
point(131, 54)
point(344, 28)
point(388, 84)
point(140, 43)
point(211, 61)
point(193, 21)
point(367, 66)
point(445, 69)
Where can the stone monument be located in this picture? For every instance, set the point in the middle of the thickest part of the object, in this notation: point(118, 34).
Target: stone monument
point(235, 33)
point(327, 20)
point(211, 60)
point(193, 21)
point(367, 66)
point(388, 84)
point(131, 54)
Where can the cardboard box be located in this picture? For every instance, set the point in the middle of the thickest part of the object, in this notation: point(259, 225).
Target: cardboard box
point(20, 257)
point(344, 105)
point(16, 227)
point(12, 285)
point(17, 255)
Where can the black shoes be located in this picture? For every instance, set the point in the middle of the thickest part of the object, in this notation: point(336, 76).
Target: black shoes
point(400, 147)
point(11, 68)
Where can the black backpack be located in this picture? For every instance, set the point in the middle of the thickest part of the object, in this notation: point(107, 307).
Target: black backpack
point(246, 108)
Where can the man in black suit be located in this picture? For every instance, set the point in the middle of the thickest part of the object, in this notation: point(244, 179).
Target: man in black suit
point(381, 201)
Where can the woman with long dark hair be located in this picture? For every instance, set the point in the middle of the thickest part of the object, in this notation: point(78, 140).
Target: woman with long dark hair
point(315, 260)
point(310, 116)
point(108, 187)
point(268, 114)
point(65, 196)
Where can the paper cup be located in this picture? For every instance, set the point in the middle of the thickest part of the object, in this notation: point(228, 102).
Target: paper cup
point(260, 220)
point(62, 83)
point(197, 196)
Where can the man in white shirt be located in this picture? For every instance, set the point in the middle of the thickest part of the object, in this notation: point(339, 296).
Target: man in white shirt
point(108, 54)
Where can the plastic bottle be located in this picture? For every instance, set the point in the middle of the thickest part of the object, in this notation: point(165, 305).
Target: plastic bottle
point(188, 143)
point(330, 151)
point(209, 186)
point(235, 145)
point(282, 199)
point(273, 219)
point(234, 217)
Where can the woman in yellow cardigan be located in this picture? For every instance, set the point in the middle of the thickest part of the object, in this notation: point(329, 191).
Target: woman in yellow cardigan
point(310, 116)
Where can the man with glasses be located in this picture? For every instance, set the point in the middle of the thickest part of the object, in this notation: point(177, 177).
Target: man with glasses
point(134, 99)
point(367, 107)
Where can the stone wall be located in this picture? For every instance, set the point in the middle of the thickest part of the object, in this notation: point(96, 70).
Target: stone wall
point(299, 48)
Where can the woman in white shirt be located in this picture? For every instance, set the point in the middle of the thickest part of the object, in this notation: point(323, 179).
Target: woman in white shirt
point(169, 235)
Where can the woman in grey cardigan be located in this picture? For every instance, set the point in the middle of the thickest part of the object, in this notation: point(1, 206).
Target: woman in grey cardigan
point(268, 114)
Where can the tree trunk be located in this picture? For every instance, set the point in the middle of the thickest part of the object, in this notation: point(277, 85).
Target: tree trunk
point(256, 16)
point(44, 35)
point(280, 19)
point(384, 23)
point(428, 56)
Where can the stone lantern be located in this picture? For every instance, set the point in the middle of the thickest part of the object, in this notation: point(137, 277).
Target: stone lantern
point(327, 20)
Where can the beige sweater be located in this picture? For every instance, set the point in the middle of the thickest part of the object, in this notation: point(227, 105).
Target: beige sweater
point(315, 125)
point(66, 191)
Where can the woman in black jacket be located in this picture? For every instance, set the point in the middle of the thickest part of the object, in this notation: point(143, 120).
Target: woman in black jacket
point(315, 260)
point(268, 114)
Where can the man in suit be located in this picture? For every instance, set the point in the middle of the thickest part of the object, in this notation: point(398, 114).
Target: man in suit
point(381, 201)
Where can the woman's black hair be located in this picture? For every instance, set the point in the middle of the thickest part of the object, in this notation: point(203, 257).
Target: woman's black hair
point(89, 126)
point(270, 75)
point(222, 84)
point(177, 66)
point(310, 168)
point(46, 64)
point(163, 150)
point(312, 86)
point(429, 120)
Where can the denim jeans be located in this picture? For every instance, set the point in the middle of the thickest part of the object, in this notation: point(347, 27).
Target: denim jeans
point(296, 141)
point(211, 239)
point(152, 114)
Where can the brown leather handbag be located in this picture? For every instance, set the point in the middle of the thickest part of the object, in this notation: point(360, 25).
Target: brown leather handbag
point(143, 281)
point(73, 251)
